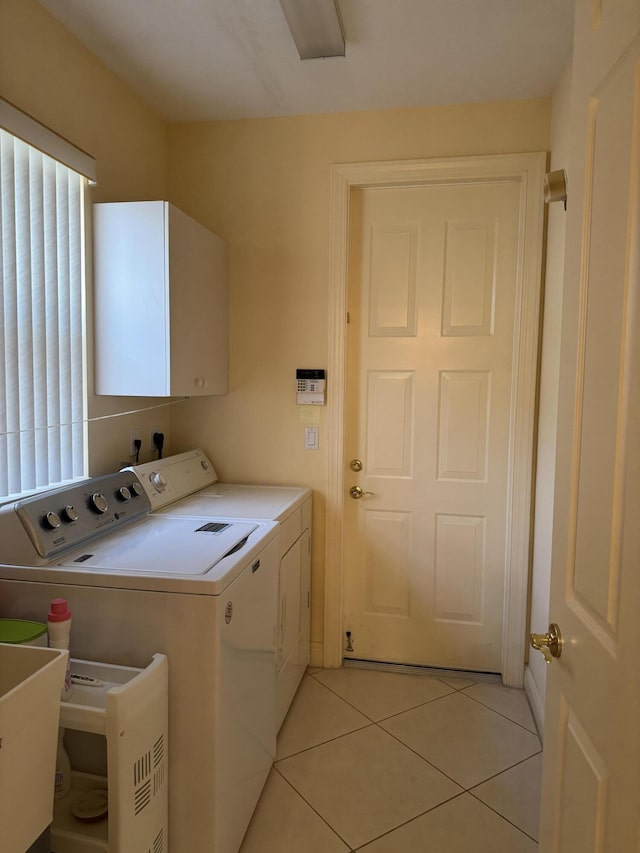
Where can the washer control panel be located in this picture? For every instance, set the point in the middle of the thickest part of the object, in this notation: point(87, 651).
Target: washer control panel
point(65, 517)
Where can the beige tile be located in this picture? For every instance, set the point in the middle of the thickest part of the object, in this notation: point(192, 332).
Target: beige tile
point(505, 700)
point(464, 739)
point(459, 826)
point(366, 783)
point(284, 823)
point(316, 715)
point(381, 694)
point(458, 683)
point(515, 794)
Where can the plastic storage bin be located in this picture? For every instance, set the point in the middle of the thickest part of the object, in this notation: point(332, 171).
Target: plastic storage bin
point(130, 708)
point(30, 681)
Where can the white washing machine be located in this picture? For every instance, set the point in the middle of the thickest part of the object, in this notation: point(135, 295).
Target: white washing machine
point(166, 481)
point(201, 590)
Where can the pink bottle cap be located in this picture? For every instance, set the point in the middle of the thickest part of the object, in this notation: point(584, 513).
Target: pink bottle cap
point(59, 611)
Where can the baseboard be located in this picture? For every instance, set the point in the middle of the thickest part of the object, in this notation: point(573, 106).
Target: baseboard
point(412, 669)
point(316, 654)
point(536, 701)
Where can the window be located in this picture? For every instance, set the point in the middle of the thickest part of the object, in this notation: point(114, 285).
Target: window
point(42, 318)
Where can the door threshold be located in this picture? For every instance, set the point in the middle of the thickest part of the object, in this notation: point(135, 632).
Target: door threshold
point(415, 669)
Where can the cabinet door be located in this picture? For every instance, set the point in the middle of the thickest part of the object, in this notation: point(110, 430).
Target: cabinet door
point(130, 298)
point(198, 315)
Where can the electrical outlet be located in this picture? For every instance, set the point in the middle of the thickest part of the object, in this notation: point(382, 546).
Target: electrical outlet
point(134, 435)
point(156, 428)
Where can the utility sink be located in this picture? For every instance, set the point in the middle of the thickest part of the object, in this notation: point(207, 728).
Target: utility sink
point(30, 682)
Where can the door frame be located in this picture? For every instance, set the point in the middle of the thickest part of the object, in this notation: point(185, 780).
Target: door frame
point(527, 170)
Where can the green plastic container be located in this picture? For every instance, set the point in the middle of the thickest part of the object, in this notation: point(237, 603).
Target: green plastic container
point(23, 631)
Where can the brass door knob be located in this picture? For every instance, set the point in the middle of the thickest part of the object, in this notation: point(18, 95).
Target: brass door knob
point(550, 644)
point(355, 465)
point(357, 492)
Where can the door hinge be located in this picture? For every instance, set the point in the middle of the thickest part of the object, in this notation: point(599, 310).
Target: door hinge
point(348, 318)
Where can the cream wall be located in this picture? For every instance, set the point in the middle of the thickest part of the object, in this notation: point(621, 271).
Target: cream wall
point(536, 674)
point(263, 185)
point(47, 73)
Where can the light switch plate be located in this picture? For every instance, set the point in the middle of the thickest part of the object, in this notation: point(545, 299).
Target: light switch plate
point(311, 438)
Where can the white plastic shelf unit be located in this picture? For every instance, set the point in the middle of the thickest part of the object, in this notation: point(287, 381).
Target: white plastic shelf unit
point(130, 709)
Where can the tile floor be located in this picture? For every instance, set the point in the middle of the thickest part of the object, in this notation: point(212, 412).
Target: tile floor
point(392, 763)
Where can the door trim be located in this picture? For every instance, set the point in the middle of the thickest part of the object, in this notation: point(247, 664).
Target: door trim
point(528, 171)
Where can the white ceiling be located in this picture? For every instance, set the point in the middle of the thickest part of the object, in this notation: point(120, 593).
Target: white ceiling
point(194, 60)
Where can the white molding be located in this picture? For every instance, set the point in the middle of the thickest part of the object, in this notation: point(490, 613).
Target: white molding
point(39, 136)
point(536, 701)
point(528, 171)
point(316, 654)
point(333, 603)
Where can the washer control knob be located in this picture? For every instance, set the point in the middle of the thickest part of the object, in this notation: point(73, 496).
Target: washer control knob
point(99, 502)
point(52, 520)
point(136, 490)
point(158, 480)
point(123, 493)
point(70, 513)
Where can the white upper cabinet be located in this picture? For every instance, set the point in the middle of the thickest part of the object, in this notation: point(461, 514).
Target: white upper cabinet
point(160, 302)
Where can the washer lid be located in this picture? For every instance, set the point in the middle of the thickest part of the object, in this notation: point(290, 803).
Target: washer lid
point(164, 546)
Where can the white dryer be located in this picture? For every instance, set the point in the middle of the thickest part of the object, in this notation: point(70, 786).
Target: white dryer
point(201, 590)
point(167, 480)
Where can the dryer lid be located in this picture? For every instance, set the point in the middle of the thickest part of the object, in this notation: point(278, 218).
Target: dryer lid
point(239, 501)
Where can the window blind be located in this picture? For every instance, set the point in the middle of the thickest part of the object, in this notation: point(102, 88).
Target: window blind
point(42, 349)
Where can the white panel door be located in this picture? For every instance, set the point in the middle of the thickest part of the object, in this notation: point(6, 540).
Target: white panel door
point(432, 301)
point(591, 783)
